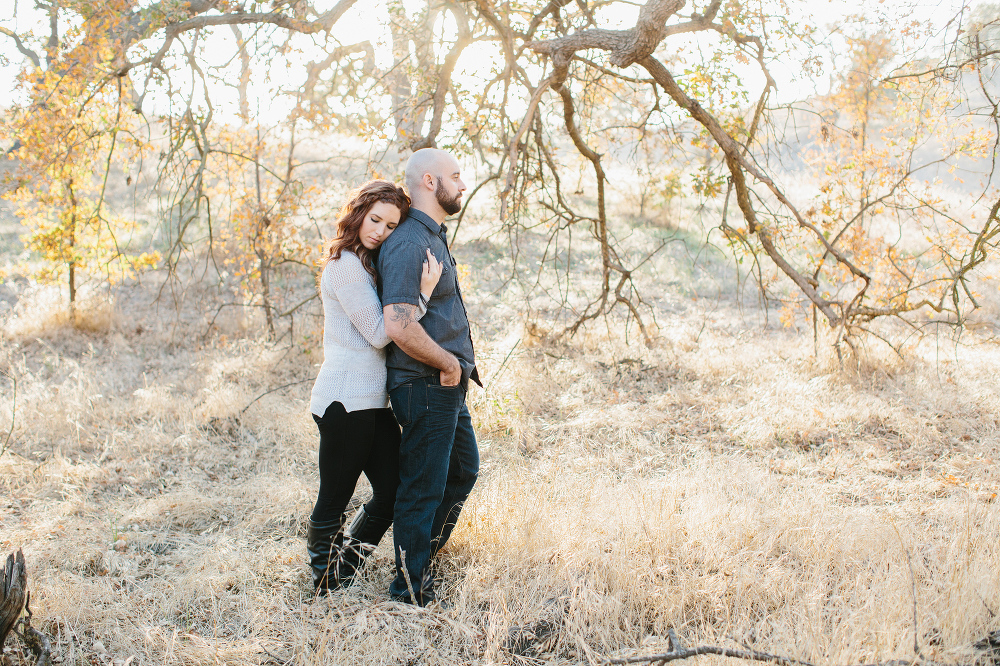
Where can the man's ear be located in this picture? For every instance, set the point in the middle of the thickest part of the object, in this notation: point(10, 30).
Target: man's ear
point(428, 181)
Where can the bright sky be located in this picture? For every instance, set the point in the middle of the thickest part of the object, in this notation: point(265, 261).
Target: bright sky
point(366, 20)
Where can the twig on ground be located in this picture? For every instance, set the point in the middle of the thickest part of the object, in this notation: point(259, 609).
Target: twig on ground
point(13, 413)
point(275, 659)
point(278, 388)
point(913, 589)
point(748, 655)
point(36, 641)
point(686, 653)
point(673, 642)
point(496, 375)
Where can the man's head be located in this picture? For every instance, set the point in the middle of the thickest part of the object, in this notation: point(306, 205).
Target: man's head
point(434, 181)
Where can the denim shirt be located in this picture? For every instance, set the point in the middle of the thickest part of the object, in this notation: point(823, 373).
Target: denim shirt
point(400, 263)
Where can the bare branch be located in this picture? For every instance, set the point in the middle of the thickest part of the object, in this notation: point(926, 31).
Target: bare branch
point(25, 51)
point(627, 46)
point(444, 78)
point(241, 18)
point(512, 146)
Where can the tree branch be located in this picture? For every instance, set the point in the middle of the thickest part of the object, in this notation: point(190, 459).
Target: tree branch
point(28, 53)
point(627, 46)
point(444, 79)
point(512, 146)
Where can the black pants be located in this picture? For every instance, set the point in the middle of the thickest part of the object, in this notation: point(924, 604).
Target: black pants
point(366, 441)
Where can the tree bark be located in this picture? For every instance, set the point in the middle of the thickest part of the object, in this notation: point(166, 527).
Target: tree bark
point(13, 587)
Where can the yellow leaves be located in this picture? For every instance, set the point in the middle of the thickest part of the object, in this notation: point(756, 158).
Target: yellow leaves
point(707, 183)
point(146, 260)
point(127, 266)
point(260, 228)
point(463, 272)
point(368, 130)
point(63, 142)
point(871, 201)
point(787, 316)
point(952, 480)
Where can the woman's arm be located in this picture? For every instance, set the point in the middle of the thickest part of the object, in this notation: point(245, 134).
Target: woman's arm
point(346, 280)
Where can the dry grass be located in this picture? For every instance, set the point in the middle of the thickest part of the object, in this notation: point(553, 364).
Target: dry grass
point(723, 483)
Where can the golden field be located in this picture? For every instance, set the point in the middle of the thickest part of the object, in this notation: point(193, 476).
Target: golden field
point(725, 483)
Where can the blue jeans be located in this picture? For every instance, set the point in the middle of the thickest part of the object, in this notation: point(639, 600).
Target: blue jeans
point(438, 465)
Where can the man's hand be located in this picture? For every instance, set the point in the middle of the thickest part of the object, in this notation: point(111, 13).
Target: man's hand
point(402, 326)
point(452, 376)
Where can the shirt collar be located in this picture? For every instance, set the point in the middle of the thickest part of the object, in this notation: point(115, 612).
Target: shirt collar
point(426, 220)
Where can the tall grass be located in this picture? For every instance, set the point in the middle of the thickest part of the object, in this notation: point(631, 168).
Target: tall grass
point(724, 484)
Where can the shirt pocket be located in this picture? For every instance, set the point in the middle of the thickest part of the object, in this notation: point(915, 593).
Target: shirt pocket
point(447, 285)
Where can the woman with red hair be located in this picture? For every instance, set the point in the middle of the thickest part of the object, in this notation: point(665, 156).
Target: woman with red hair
point(357, 430)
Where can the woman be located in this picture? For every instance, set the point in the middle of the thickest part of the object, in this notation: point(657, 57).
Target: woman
point(357, 431)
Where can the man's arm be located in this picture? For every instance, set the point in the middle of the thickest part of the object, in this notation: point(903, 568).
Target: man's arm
point(401, 325)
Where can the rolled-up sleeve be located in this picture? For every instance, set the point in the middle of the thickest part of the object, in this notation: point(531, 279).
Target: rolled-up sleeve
point(399, 266)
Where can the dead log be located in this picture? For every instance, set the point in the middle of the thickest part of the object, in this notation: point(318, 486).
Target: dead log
point(990, 646)
point(14, 598)
point(12, 593)
point(36, 641)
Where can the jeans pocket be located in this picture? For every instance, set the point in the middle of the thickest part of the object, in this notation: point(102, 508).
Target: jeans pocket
point(399, 398)
point(445, 395)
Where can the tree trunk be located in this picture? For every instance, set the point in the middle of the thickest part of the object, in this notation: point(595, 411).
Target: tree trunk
point(72, 257)
point(409, 106)
point(13, 587)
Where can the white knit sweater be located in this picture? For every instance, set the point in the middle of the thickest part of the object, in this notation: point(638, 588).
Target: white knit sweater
point(353, 371)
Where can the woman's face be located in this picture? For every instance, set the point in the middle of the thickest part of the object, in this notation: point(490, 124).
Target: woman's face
point(379, 222)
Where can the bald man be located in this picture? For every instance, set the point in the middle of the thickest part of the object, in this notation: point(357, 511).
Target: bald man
point(429, 365)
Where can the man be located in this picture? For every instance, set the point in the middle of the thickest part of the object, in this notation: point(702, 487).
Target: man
point(429, 366)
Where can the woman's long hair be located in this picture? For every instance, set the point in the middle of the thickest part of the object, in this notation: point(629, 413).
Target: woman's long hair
point(352, 215)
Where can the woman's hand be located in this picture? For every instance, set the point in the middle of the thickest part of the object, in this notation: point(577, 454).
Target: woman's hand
point(430, 275)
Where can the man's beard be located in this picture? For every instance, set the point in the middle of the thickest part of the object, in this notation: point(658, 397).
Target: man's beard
point(450, 206)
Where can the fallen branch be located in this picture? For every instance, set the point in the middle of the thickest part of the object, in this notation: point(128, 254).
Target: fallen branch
point(12, 594)
point(36, 641)
point(14, 597)
point(679, 652)
point(283, 386)
point(748, 655)
point(989, 645)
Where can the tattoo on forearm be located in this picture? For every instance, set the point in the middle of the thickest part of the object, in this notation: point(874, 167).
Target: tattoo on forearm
point(402, 313)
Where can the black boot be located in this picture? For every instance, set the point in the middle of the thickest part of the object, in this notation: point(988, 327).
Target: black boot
point(360, 540)
point(324, 542)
